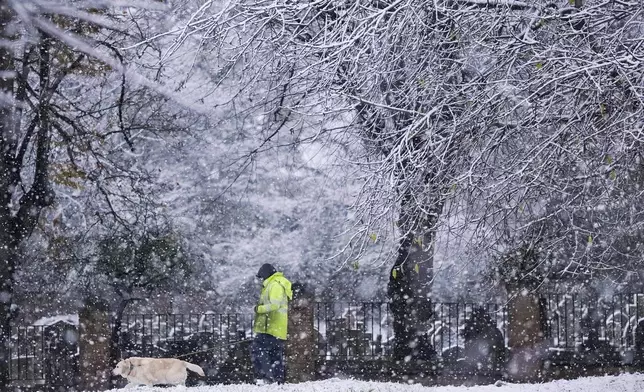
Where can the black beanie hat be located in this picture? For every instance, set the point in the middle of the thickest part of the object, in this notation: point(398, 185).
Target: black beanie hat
point(265, 271)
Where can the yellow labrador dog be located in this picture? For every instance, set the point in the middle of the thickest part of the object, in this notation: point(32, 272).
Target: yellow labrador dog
point(151, 371)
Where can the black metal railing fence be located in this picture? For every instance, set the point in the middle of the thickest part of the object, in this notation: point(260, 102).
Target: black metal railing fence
point(172, 335)
point(615, 319)
point(344, 331)
point(365, 329)
point(353, 330)
point(44, 353)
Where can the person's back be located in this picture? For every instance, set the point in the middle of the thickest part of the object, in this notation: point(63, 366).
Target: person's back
point(271, 313)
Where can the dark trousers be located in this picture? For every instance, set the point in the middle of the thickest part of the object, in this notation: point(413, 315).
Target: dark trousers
point(267, 353)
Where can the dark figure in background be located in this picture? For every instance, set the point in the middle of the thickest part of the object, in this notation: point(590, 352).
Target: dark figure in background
point(271, 323)
point(595, 351)
point(484, 348)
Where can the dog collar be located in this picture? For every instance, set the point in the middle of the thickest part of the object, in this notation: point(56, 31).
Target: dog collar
point(129, 371)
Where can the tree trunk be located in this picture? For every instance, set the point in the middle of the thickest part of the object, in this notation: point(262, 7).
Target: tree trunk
point(94, 349)
point(115, 351)
point(7, 241)
point(7, 265)
point(409, 287)
point(408, 290)
point(526, 335)
point(15, 226)
point(116, 333)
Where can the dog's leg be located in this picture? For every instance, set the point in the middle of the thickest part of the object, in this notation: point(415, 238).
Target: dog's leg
point(131, 385)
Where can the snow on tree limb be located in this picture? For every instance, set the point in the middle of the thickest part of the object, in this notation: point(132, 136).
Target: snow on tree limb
point(32, 17)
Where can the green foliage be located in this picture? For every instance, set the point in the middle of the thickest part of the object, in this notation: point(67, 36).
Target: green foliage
point(612, 174)
point(147, 262)
point(68, 175)
point(76, 25)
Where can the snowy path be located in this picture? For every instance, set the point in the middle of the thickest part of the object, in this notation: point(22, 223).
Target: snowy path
point(622, 383)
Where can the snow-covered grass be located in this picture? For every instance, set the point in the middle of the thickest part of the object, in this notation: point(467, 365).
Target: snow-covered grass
point(621, 383)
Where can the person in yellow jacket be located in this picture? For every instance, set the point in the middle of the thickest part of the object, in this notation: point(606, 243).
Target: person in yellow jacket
point(271, 325)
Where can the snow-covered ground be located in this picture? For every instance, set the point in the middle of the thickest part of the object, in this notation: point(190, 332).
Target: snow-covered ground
point(622, 383)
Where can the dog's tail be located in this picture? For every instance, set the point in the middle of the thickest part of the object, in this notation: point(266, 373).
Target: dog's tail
point(194, 368)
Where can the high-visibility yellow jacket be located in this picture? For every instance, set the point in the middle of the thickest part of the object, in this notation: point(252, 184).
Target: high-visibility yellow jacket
point(272, 310)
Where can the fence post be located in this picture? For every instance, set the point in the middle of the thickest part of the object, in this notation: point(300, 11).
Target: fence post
point(300, 345)
point(94, 345)
point(526, 336)
point(638, 359)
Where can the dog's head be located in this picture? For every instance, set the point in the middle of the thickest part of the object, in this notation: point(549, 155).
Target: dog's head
point(122, 368)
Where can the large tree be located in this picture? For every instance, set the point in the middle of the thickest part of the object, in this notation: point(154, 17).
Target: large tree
point(69, 123)
point(25, 187)
point(467, 108)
